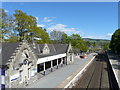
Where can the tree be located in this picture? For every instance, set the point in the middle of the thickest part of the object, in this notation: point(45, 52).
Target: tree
point(3, 22)
point(42, 35)
point(57, 36)
point(12, 38)
point(115, 41)
point(24, 23)
point(19, 26)
point(78, 42)
point(65, 39)
point(6, 24)
point(106, 46)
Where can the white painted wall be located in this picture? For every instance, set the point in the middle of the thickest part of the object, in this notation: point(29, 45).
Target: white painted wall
point(46, 59)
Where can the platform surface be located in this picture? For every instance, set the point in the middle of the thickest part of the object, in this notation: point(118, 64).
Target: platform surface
point(55, 78)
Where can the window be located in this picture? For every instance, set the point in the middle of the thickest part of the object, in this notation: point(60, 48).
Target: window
point(41, 51)
point(29, 73)
point(20, 75)
point(46, 50)
point(70, 57)
point(26, 55)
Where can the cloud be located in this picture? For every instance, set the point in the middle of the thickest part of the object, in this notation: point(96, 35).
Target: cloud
point(36, 18)
point(64, 28)
point(47, 19)
point(109, 34)
point(49, 24)
point(41, 25)
point(6, 11)
point(98, 37)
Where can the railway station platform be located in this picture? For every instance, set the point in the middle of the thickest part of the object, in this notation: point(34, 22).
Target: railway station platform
point(61, 77)
point(115, 64)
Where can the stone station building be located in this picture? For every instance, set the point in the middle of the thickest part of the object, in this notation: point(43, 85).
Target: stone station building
point(21, 61)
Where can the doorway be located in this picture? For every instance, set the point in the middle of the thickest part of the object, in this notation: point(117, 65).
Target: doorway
point(40, 67)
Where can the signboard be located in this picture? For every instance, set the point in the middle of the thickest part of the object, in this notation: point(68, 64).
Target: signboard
point(2, 78)
point(14, 77)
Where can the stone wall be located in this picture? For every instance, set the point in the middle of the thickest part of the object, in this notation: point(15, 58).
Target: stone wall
point(24, 59)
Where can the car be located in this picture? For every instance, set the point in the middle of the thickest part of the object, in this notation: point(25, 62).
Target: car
point(82, 56)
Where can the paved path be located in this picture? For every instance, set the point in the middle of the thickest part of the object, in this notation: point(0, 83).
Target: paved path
point(54, 79)
point(115, 64)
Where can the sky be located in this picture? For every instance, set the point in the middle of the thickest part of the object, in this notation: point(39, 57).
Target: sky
point(97, 20)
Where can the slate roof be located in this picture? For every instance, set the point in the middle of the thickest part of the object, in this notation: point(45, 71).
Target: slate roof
point(8, 49)
point(61, 48)
point(54, 49)
point(36, 50)
point(41, 46)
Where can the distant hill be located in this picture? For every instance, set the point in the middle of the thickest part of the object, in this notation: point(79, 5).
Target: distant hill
point(97, 40)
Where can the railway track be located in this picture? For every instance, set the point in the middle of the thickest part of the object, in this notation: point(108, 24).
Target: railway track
point(98, 75)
